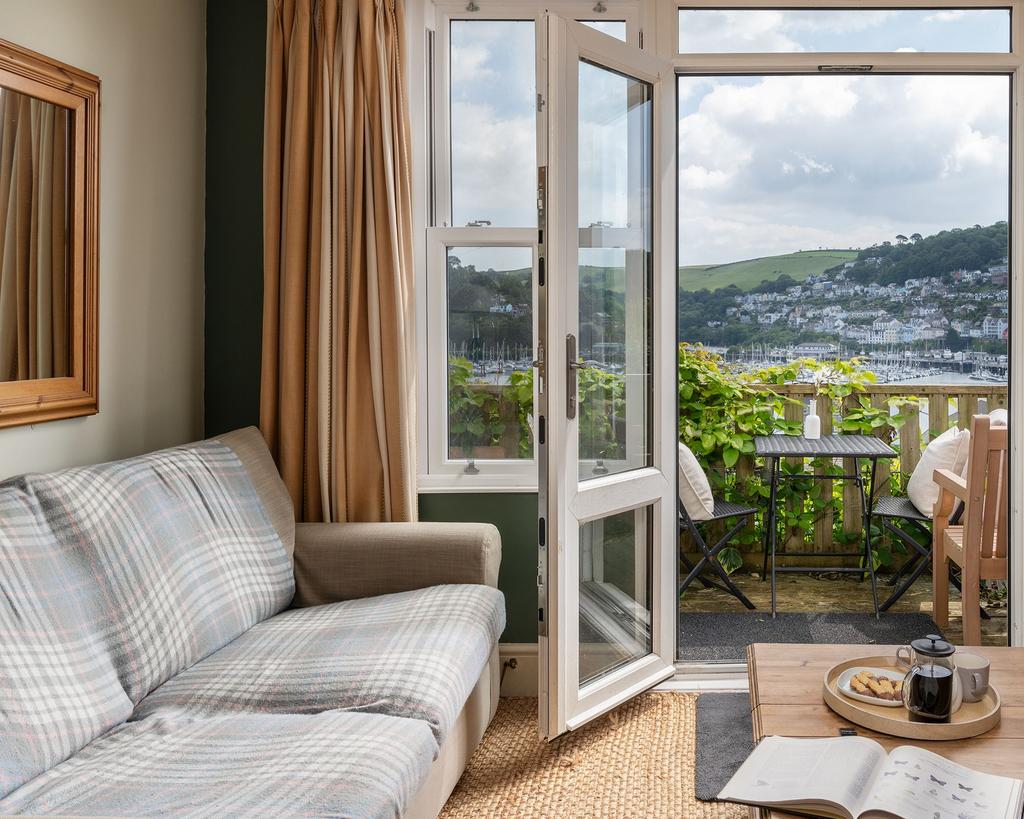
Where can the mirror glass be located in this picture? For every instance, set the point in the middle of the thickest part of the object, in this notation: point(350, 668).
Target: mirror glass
point(35, 238)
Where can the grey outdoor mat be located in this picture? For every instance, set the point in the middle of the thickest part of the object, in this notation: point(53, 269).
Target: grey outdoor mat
point(724, 636)
point(724, 740)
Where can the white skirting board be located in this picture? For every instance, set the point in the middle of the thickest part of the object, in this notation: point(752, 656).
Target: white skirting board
point(521, 681)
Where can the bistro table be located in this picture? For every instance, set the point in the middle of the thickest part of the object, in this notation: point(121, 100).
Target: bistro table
point(855, 447)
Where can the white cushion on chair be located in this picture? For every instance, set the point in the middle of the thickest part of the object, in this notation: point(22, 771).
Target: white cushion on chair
point(999, 418)
point(694, 487)
point(948, 451)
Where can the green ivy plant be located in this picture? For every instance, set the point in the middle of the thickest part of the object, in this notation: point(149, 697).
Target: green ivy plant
point(520, 392)
point(721, 410)
point(474, 415)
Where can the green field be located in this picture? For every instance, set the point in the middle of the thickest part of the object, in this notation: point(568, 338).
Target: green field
point(752, 272)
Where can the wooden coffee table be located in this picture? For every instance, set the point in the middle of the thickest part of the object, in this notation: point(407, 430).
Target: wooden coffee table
point(785, 700)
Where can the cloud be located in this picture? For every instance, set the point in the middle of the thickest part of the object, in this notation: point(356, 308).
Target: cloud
point(785, 163)
point(945, 16)
point(493, 166)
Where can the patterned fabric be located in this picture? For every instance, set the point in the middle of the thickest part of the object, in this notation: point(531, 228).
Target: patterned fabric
point(113, 578)
point(332, 764)
point(414, 654)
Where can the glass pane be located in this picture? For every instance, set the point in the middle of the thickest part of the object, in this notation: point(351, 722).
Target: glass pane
point(763, 30)
point(493, 126)
point(615, 121)
point(615, 592)
point(490, 350)
point(613, 28)
point(867, 217)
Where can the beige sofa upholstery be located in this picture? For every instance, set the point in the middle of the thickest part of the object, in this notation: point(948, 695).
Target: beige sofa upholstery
point(344, 561)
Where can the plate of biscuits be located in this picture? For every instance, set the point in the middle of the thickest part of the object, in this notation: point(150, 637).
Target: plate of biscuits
point(877, 686)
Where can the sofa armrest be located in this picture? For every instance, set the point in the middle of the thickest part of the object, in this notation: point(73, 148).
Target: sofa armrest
point(342, 561)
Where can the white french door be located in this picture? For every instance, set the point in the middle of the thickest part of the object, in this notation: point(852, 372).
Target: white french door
point(606, 386)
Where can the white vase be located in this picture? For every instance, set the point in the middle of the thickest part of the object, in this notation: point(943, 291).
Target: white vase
point(812, 423)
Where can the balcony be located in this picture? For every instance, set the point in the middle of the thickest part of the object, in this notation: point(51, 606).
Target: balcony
point(720, 411)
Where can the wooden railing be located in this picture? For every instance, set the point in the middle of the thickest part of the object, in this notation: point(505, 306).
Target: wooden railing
point(945, 405)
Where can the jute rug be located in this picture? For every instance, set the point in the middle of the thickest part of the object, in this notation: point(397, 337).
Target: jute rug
point(636, 761)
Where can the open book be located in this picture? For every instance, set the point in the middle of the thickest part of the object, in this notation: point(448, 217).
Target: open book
point(854, 778)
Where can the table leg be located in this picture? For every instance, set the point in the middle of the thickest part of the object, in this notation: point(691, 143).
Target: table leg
point(768, 516)
point(772, 499)
point(866, 500)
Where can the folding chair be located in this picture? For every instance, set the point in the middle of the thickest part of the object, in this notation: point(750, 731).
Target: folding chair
point(709, 555)
point(889, 511)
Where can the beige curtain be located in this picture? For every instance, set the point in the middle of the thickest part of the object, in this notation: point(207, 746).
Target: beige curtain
point(34, 286)
point(337, 384)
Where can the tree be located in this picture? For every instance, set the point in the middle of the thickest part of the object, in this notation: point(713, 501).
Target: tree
point(901, 239)
point(916, 237)
point(954, 341)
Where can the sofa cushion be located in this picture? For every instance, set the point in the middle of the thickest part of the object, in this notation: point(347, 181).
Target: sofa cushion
point(331, 764)
point(115, 577)
point(413, 654)
point(250, 447)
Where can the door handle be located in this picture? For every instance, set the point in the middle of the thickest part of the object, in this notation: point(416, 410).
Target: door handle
point(572, 366)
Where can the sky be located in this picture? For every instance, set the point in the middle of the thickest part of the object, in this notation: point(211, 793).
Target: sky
point(766, 164)
point(771, 165)
point(844, 30)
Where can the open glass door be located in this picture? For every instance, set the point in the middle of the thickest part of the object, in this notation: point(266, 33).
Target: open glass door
point(606, 425)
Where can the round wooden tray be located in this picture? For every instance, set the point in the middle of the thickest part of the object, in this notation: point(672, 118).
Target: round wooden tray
point(972, 719)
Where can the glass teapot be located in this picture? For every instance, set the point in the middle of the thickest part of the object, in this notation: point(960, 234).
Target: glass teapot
point(931, 688)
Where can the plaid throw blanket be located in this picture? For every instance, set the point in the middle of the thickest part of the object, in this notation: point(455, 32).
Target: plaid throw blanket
point(332, 764)
point(413, 654)
point(115, 577)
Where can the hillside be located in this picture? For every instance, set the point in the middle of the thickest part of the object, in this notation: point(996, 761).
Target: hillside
point(749, 273)
point(972, 248)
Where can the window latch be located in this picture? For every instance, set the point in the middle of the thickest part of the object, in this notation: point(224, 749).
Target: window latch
point(845, 69)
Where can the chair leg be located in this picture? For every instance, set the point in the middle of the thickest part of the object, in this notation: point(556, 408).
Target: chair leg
point(689, 568)
point(956, 585)
point(712, 561)
point(971, 597)
point(940, 583)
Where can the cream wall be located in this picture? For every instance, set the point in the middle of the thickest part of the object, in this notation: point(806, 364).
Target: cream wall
point(150, 57)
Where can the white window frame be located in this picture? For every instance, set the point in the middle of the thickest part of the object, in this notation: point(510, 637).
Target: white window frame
point(1009, 63)
point(443, 472)
point(527, 10)
point(437, 472)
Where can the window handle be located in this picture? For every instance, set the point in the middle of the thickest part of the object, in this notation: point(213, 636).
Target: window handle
point(573, 365)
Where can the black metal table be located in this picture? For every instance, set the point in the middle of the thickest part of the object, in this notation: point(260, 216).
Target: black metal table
point(855, 447)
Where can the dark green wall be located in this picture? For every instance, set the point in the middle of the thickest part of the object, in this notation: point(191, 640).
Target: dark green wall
point(235, 60)
point(515, 515)
point(235, 65)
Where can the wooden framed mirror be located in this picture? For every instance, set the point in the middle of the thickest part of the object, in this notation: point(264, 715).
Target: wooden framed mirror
point(49, 208)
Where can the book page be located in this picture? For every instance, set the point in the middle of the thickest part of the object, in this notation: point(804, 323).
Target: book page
point(917, 784)
point(783, 770)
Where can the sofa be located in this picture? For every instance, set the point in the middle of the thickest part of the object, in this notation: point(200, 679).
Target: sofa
point(171, 641)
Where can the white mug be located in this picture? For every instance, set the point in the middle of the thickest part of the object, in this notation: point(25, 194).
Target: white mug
point(973, 670)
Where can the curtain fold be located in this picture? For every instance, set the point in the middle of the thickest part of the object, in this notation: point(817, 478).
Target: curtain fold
point(34, 281)
point(337, 386)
